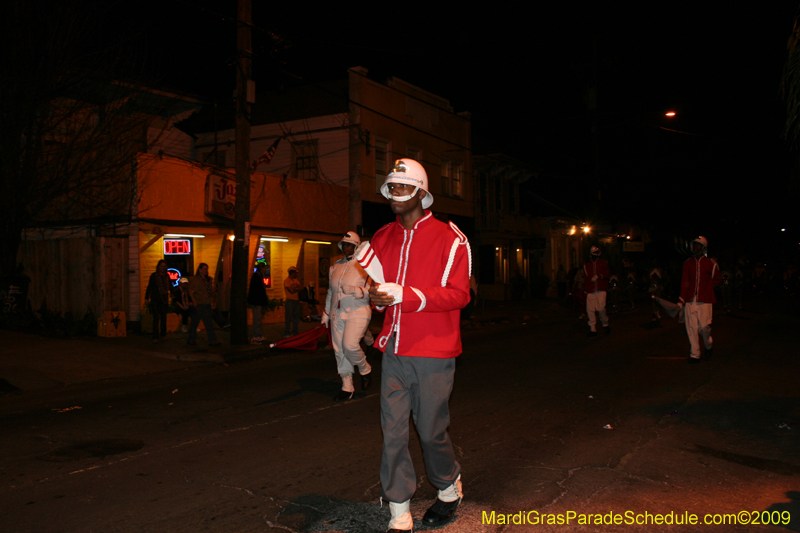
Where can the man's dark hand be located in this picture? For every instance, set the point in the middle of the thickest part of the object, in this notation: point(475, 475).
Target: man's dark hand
point(380, 299)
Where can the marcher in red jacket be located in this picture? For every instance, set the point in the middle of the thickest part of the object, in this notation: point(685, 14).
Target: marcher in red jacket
point(700, 276)
point(596, 286)
point(426, 265)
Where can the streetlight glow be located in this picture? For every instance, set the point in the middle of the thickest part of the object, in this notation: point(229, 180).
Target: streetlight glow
point(669, 114)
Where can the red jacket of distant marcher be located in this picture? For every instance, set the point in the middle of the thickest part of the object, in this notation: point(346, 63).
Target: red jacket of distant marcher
point(700, 276)
point(432, 262)
point(599, 268)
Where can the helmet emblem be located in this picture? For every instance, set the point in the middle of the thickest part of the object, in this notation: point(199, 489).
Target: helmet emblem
point(400, 167)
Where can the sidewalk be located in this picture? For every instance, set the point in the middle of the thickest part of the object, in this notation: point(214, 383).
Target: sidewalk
point(32, 362)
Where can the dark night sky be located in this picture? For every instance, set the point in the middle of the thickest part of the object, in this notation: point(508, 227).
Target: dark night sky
point(524, 76)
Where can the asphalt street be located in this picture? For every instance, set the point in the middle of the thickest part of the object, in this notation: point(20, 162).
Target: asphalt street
point(549, 425)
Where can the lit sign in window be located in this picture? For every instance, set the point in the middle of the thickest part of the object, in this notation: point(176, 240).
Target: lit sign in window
point(174, 276)
point(262, 258)
point(177, 247)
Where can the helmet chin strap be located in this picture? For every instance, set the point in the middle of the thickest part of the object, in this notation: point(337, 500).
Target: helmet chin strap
point(406, 197)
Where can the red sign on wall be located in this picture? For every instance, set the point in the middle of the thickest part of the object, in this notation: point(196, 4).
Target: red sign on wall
point(177, 247)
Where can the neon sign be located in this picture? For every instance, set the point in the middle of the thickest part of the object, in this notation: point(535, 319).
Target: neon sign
point(177, 247)
point(174, 276)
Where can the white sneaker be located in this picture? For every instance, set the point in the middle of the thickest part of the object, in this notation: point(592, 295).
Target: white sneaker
point(401, 516)
point(453, 492)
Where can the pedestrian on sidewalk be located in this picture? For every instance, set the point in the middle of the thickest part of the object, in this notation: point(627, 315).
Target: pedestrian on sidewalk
point(426, 264)
point(156, 297)
point(202, 289)
point(595, 286)
point(347, 313)
point(257, 299)
point(292, 287)
point(700, 276)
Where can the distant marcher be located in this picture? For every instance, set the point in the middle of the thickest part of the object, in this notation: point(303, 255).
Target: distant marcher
point(596, 285)
point(157, 298)
point(182, 297)
point(700, 276)
point(292, 287)
point(257, 299)
point(347, 313)
point(202, 289)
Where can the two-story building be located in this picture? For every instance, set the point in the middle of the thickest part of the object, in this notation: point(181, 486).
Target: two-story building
point(336, 143)
point(348, 132)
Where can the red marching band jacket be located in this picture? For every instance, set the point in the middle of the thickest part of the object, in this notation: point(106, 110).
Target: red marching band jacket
point(700, 276)
point(599, 268)
point(433, 264)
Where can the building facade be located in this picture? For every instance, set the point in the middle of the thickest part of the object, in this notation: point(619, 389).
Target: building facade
point(518, 250)
point(348, 133)
point(333, 145)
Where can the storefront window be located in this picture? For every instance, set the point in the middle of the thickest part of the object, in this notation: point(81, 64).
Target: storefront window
point(178, 253)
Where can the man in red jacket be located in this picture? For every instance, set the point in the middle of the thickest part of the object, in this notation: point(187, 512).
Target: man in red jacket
point(596, 286)
point(700, 276)
point(426, 264)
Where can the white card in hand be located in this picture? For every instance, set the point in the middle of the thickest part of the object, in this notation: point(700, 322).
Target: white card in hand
point(366, 257)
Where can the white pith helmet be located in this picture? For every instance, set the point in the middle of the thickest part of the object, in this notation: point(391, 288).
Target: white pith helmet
point(408, 172)
point(351, 237)
point(703, 242)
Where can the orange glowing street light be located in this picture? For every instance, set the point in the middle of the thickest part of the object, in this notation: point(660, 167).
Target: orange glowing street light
point(670, 114)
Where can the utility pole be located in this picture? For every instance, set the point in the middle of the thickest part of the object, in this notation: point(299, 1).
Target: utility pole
point(244, 95)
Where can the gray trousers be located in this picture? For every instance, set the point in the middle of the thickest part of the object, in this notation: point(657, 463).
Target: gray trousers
point(258, 329)
point(420, 387)
point(292, 308)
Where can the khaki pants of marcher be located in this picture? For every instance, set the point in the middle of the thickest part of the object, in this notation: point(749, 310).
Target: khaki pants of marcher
point(698, 322)
point(596, 301)
point(345, 336)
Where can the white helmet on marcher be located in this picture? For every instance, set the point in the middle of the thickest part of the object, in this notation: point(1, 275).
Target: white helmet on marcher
point(702, 241)
point(351, 237)
point(408, 172)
